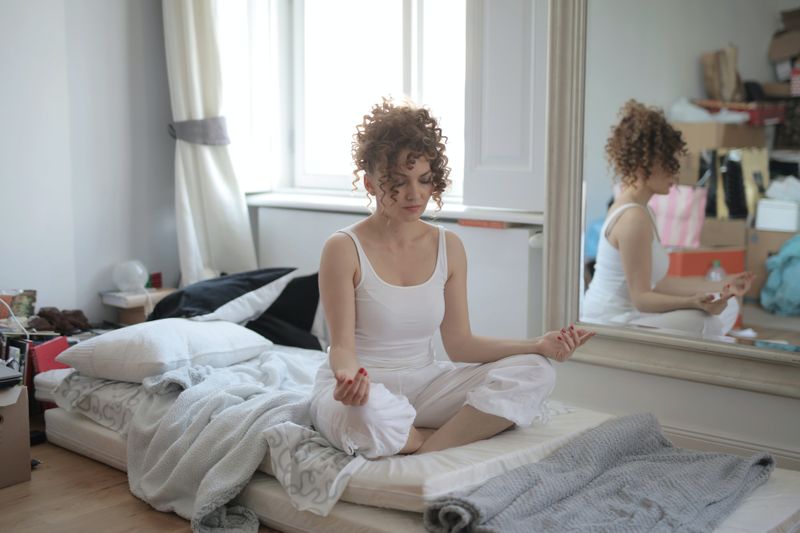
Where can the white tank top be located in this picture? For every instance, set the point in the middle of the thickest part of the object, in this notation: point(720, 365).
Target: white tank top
point(608, 296)
point(395, 325)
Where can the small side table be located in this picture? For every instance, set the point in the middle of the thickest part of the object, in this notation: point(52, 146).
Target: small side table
point(130, 306)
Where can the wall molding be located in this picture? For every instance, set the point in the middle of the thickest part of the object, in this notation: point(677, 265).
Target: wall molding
point(697, 440)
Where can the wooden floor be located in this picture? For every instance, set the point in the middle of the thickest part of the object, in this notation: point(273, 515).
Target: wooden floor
point(71, 493)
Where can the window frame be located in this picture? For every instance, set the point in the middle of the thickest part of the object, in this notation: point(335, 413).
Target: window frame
point(413, 46)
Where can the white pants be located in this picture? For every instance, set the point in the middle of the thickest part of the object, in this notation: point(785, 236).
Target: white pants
point(693, 321)
point(513, 388)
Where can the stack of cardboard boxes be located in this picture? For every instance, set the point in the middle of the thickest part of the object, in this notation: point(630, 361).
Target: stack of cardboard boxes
point(737, 246)
point(721, 240)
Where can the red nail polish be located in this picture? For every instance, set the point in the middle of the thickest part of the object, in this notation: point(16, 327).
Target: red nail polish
point(349, 381)
point(559, 338)
point(362, 371)
point(572, 327)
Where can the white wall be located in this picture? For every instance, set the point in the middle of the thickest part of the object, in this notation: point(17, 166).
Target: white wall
point(87, 177)
point(722, 414)
point(650, 50)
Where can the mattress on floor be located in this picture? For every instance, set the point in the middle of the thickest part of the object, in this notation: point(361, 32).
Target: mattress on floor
point(408, 482)
point(45, 383)
point(774, 507)
point(109, 403)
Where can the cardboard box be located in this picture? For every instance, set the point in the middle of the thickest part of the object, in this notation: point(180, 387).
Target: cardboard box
point(15, 452)
point(697, 261)
point(784, 45)
point(717, 232)
point(783, 48)
point(776, 89)
point(791, 19)
point(128, 317)
point(761, 245)
point(701, 136)
point(778, 215)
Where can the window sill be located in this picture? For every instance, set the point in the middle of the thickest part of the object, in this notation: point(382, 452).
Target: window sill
point(350, 203)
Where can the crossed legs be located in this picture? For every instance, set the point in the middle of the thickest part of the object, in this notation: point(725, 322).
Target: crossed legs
point(467, 425)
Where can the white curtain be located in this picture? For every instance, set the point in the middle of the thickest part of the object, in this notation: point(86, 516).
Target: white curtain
point(213, 224)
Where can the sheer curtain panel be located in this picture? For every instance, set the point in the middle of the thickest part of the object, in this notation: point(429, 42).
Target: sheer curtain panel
point(213, 225)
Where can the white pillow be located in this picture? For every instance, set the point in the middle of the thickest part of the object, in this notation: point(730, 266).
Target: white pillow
point(152, 348)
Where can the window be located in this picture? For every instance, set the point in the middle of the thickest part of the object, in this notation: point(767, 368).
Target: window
point(350, 53)
point(294, 95)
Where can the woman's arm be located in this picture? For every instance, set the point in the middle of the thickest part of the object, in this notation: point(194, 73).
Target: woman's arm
point(738, 284)
point(633, 236)
point(687, 286)
point(337, 271)
point(463, 346)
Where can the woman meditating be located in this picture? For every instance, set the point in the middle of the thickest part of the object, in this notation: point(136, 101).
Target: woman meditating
point(387, 283)
point(630, 282)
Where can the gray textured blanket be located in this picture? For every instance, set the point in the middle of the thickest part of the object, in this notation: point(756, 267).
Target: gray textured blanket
point(622, 476)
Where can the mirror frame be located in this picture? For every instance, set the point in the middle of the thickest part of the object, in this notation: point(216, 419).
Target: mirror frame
point(728, 365)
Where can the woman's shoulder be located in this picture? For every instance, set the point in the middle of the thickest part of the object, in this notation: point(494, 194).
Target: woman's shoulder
point(630, 213)
point(631, 225)
point(339, 247)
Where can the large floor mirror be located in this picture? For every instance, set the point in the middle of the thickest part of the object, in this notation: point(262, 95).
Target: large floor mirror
point(628, 74)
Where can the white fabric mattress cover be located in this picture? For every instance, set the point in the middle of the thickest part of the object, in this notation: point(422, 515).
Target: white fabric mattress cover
point(45, 383)
point(109, 403)
point(774, 507)
point(408, 482)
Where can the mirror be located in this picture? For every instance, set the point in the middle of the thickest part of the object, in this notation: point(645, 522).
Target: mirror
point(651, 52)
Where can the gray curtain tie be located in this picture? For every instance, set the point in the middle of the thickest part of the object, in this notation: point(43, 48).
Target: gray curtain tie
point(212, 130)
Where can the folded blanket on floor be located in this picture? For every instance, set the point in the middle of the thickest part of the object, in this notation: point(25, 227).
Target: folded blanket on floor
point(623, 475)
point(200, 433)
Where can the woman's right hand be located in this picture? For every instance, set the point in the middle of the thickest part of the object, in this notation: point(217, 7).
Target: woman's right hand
point(352, 388)
point(709, 302)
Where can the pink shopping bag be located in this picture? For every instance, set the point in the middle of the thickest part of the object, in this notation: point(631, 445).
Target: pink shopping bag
point(679, 215)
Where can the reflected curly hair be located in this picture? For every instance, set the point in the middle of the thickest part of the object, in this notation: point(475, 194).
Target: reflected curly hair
point(388, 130)
point(641, 140)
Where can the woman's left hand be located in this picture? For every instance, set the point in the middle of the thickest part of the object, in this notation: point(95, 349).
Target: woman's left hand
point(560, 345)
point(739, 284)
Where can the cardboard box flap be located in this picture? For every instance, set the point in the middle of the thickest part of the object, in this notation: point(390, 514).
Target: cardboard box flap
point(712, 135)
point(791, 19)
point(784, 45)
point(10, 395)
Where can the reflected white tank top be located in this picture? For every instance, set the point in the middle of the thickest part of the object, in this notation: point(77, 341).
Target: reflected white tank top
point(608, 296)
point(395, 325)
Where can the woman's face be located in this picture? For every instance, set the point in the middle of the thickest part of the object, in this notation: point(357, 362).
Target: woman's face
point(660, 180)
point(415, 186)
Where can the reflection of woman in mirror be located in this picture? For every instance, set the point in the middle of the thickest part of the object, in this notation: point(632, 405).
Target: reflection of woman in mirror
point(630, 283)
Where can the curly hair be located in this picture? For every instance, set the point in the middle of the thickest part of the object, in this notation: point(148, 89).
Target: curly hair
point(641, 140)
point(390, 129)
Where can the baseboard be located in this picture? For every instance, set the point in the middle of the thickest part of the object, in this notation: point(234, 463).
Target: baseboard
point(713, 443)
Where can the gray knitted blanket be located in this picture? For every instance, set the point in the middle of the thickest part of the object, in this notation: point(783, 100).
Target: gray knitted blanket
point(622, 476)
